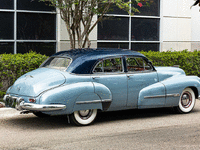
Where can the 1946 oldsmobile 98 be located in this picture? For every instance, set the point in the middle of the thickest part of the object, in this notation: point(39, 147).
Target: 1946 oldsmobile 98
point(80, 82)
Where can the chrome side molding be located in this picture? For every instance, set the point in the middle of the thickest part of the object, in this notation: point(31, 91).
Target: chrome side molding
point(94, 101)
point(160, 96)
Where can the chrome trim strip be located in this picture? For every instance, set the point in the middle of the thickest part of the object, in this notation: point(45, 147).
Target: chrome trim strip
point(107, 100)
point(94, 101)
point(160, 96)
point(88, 102)
point(157, 96)
point(173, 95)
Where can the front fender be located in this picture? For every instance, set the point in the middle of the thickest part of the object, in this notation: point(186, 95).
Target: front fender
point(176, 85)
point(152, 96)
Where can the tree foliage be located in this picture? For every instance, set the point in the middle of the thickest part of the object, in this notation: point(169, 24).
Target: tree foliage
point(78, 16)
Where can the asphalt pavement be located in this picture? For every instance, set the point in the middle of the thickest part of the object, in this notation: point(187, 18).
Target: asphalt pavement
point(151, 129)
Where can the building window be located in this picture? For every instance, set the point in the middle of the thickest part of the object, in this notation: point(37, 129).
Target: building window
point(116, 28)
point(152, 10)
point(7, 4)
point(6, 26)
point(7, 47)
point(138, 32)
point(39, 47)
point(145, 46)
point(34, 5)
point(144, 29)
point(112, 45)
point(36, 26)
point(27, 26)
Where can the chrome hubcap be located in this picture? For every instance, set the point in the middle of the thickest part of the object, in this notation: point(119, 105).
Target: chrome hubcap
point(186, 99)
point(85, 114)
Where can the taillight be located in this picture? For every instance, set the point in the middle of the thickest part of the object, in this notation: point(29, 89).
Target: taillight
point(32, 100)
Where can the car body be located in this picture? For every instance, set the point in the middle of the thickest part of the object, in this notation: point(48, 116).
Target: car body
point(79, 82)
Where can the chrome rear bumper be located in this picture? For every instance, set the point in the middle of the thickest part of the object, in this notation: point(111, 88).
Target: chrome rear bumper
point(19, 104)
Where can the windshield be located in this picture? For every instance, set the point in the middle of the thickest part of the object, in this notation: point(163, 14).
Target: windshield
point(60, 63)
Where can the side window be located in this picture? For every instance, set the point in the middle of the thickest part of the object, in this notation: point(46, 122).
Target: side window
point(137, 64)
point(109, 65)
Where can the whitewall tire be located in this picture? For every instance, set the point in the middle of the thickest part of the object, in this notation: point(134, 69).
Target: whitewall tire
point(83, 117)
point(187, 101)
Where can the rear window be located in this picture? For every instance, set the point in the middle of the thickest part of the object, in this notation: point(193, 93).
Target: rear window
point(60, 63)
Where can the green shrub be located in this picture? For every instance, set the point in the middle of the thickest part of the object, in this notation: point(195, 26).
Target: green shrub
point(188, 61)
point(14, 66)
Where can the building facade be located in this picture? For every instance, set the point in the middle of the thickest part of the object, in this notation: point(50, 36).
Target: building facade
point(165, 25)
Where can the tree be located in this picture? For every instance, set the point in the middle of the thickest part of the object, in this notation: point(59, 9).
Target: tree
point(196, 2)
point(78, 15)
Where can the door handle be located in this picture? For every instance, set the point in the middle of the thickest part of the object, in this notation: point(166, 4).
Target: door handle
point(129, 76)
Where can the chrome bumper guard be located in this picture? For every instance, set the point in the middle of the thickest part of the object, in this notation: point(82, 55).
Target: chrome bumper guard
point(18, 103)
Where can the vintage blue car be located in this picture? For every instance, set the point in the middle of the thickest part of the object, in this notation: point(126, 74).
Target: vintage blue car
point(79, 83)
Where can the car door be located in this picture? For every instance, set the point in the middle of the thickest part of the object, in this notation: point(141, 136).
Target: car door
point(110, 72)
point(140, 74)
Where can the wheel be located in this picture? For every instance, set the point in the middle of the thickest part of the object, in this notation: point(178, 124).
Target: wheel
point(40, 114)
point(187, 101)
point(83, 117)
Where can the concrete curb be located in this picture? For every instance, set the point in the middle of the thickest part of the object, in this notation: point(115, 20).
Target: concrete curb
point(5, 108)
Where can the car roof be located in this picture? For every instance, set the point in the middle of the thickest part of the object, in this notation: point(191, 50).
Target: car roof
point(99, 52)
point(84, 59)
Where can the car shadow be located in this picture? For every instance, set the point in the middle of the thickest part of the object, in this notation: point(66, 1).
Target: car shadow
point(31, 122)
point(135, 114)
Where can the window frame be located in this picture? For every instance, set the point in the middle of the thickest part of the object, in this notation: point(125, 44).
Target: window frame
point(101, 60)
point(140, 71)
point(51, 58)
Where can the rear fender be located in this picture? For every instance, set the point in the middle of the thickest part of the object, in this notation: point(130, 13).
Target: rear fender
point(68, 94)
point(104, 93)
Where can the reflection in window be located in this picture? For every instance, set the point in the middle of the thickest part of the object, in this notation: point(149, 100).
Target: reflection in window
point(137, 64)
point(115, 28)
point(42, 48)
point(116, 10)
point(34, 5)
point(7, 4)
point(152, 10)
point(6, 26)
point(6, 47)
point(34, 26)
point(109, 65)
point(144, 29)
point(145, 46)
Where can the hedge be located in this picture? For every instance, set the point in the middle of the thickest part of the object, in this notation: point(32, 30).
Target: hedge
point(188, 61)
point(13, 66)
